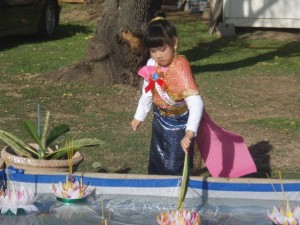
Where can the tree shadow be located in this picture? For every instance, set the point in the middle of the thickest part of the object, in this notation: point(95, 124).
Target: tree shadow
point(63, 31)
point(123, 170)
point(206, 49)
point(260, 153)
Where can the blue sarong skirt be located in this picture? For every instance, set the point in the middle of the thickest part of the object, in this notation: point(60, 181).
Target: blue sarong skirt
point(166, 154)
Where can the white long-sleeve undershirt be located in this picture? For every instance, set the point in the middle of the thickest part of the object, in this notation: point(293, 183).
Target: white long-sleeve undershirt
point(144, 104)
point(195, 106)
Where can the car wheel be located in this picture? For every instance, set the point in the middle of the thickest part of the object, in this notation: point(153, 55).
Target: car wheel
point(49, 19)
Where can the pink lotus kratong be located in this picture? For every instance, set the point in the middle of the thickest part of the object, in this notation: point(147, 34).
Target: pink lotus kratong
point(279, 216)
point(178, 217)
point(72, 189)
point(14, 198)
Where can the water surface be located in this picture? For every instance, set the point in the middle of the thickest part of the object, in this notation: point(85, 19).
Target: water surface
point(142, 210)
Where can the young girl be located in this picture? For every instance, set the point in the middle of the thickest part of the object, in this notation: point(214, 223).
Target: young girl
point(169, 87)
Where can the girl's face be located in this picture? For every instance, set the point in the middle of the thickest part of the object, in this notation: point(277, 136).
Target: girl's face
point(163, 55)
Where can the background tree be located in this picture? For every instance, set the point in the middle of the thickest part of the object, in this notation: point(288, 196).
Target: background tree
point(116, 53)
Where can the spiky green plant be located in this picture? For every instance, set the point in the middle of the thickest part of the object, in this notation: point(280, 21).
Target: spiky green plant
point(44, 141)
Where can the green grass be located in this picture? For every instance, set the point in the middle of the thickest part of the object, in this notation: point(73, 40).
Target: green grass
point(278, 124)
point(248, 85)
point(230, 55)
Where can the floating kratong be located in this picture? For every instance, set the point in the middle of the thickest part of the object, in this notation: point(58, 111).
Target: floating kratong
point(72, 191)
point(180, 216)
point(281, 216)
point(17, 201)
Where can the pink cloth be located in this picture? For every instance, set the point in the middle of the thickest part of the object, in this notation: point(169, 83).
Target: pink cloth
point(225, 154)
point(146, 71)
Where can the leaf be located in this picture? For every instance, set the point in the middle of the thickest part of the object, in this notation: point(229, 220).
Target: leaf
point(96, 165)
point(56, 132)
point(31, 129)
point(17, 144)
point(44, 134)
point(76, 145)
point(184, 182)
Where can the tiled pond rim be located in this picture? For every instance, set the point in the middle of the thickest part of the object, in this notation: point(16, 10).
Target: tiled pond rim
point(167, 186)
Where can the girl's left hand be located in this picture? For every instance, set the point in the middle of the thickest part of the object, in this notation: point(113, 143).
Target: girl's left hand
point(187, 140)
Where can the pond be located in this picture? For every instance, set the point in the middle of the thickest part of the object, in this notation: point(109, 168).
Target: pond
point(132, 199)
point(142, 210)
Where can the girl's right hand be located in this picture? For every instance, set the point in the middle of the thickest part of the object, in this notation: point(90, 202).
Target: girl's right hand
point(187, 140)
point(135, 124)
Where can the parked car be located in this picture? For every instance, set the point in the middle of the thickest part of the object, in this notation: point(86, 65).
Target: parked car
point(29, 16)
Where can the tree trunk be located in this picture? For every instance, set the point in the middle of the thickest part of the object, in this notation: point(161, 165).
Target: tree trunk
point(116, 53)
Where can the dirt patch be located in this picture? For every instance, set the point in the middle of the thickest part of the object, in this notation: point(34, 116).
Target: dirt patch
point(82, 12)
point(76, 16)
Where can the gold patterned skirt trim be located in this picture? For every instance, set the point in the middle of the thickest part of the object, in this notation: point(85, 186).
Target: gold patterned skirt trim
point(172, 111)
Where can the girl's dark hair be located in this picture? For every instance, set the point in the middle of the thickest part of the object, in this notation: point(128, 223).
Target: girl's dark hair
point(159, 32)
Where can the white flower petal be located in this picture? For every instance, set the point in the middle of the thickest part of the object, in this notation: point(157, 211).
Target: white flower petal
point(30, 208)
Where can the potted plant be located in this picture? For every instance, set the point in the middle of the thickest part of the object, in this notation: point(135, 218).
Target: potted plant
point(43, 154)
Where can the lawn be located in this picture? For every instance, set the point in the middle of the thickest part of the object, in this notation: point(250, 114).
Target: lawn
point(250, 85)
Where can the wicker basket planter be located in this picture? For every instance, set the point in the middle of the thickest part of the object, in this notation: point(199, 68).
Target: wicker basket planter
point(39, 165)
